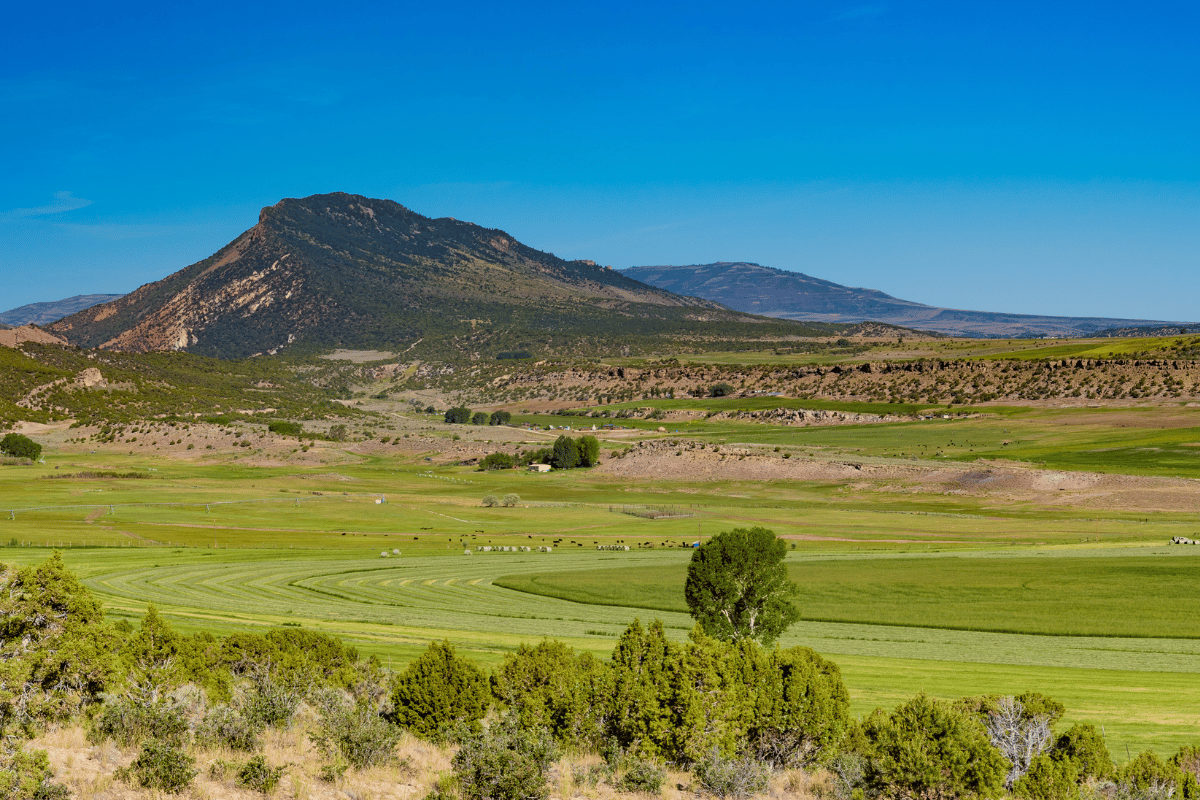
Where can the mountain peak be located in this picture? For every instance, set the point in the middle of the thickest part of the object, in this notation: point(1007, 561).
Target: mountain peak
point(342, 269)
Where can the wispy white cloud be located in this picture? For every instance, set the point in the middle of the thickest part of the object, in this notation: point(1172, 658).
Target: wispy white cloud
point(63, 202)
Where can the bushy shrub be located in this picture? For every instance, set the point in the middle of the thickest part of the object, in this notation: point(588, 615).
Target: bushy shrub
point(1047, 779)
point(353, 732)
point(1083, 746)
point(927, 748)
point(160, 766)
point(590, 775)
point(286, 428)
point(640, 713)
point(505, 763)
point(1187, 759)
point(678, 703)
point(153, 649)
point(798, 705)
point(847, 770)
point(479, 418)
point(642, 776)
point(272, 700)
point(722, 776)
point(295, 657)
point(437, 690)
point(126, 721)
point(228, 727)
point(551, 686)
point(257, 776)
point(500, 418)
point(490, 501)
point(26, 775)
point(1149, 777)
point(510, 500)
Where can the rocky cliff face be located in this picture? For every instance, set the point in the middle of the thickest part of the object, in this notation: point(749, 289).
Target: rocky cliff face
point(342, 269)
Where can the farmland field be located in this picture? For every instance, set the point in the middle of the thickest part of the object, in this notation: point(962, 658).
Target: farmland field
point(922, 578)
point(1115, 592)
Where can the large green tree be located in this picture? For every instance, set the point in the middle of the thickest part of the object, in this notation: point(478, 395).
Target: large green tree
point(738, 587)
point(589, 451)
point(56, 654)
point(566, 453)
point(20, 446)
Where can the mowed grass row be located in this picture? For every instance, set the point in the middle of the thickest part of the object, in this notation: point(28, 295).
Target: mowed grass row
point(1115, 592)
point(409, 597)
point(1143, 690)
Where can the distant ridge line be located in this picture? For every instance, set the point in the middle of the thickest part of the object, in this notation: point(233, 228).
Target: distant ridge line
point(754, 288)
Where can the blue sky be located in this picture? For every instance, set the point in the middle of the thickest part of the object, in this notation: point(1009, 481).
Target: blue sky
point(1035, 157)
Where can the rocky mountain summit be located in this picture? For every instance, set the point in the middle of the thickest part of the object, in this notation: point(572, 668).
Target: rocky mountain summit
point(346, 270)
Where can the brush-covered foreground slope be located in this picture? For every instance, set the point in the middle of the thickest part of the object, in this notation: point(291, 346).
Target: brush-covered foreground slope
point(793, 295)
point(344, 270)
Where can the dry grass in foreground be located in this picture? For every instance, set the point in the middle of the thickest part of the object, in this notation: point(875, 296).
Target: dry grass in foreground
point(87, 770)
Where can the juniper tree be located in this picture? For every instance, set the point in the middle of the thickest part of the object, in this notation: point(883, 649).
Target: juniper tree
point(738, 587)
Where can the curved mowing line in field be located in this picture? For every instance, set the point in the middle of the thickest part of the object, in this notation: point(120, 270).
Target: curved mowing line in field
point(418, 599)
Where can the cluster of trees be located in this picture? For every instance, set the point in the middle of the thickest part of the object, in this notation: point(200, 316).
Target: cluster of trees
point(284, 428)
point(565, 453)
point(461, 415)
point(18, 445)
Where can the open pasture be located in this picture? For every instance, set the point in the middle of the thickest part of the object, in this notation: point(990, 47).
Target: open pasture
point(223, 545)
point(1133, 441)
point(438, 510)
point(1110, 592)
point(1161, 439)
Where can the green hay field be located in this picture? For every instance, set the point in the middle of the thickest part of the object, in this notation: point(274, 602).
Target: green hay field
point(948, 593)
point(1117, 592)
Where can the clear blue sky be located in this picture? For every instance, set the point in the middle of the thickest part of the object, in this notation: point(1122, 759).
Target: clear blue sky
point(1036, 157)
